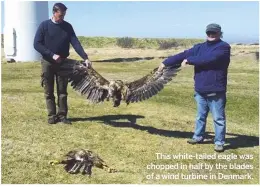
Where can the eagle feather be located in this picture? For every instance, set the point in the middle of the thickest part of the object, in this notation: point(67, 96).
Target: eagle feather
point(96, 88)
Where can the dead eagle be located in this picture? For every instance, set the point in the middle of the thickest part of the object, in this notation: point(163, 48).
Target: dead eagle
point(96, 88)
point(76, 159)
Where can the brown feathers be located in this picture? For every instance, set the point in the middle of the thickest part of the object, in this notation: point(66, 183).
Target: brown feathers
point(89, 83)
point(95, 88)
point(150, 85)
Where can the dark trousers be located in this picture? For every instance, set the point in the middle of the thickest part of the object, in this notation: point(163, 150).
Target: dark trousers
point(50, 72)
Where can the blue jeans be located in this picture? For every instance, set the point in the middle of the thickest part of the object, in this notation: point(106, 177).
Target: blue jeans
point(215, 103)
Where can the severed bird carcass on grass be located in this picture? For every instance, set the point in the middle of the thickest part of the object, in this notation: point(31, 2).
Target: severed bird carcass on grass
point(96, 88)
point(84, 159)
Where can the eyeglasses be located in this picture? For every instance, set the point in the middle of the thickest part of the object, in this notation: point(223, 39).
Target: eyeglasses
point(211, 33)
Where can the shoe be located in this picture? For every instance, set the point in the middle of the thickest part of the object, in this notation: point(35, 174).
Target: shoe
point(65, 121)
point(193, 141)
point(219, 148)
point(52, 120)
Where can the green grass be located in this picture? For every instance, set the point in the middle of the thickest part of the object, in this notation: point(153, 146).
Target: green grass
point(163, 124)
point(141, 43)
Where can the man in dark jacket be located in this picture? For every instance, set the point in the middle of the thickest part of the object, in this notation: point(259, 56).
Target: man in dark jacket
point(210, 60)
point(52, 40)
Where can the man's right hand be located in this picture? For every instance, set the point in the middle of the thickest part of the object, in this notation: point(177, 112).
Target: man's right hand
point(161, 67)
point(57, 58)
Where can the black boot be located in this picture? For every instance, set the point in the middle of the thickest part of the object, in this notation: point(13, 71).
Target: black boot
point(52, 120)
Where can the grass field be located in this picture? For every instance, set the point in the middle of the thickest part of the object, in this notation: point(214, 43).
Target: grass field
point(128, 137)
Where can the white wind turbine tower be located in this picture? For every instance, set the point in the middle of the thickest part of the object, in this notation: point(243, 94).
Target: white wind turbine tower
point(22, 19)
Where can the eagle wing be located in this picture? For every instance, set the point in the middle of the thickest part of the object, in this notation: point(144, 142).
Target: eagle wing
point(150, 84)
point(89, 83)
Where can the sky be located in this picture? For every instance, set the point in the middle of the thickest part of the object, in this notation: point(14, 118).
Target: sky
point(162, 19)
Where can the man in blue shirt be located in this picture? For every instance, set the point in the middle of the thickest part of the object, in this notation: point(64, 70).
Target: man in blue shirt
point(52, 40)
point(210, 60)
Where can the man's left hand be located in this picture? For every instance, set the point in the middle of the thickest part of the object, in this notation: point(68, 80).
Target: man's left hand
point(88, 63)
point(184, 63)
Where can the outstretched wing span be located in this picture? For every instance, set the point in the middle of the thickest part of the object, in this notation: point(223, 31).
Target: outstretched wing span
point(89, 83)
point(150, 85)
